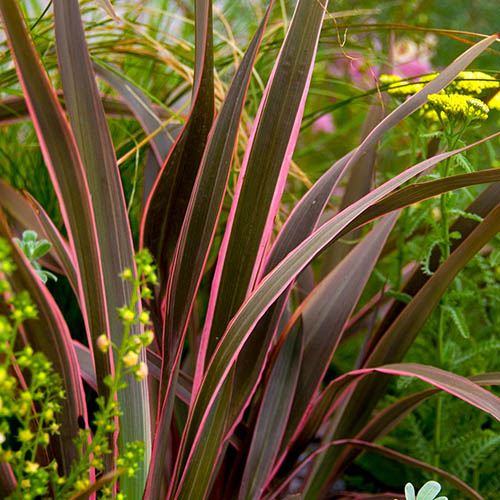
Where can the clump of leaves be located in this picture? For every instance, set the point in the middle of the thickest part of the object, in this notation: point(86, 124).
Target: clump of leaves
point(239, 391)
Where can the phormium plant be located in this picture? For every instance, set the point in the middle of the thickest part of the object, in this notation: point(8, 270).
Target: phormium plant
point(237, 391)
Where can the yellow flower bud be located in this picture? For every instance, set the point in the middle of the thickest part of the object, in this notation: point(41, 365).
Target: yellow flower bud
point(127, 274)
point(144, 317)
point(25, 435)
point(127, 314)
point(48, 414)
point(147, 337)
point(103, 342)
point(142, 371)
point(130, 359)
point(31, 467)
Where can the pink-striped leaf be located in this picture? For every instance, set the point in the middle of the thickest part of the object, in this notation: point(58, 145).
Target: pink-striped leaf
point(361, 177)
point(387, 419)
point(166, 206)
point(116, 251)
point(258, 192)
point(363, 445)
point(271, 422)
point(326, 310)
point(262, 175)
point(481, 206)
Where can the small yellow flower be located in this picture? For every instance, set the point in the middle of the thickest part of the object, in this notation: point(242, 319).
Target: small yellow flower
point(103, 343)
point(31, 467)
point(25, 396)
point(25, 484)
point(48, 414)
point(127, 274)
point(82, 484)
point(142, 371)
point(144, 317)
point(25, 435)
point(30, 311)
point(147, 337)
point(130, 359)
point(54, 428)
point(127, 314)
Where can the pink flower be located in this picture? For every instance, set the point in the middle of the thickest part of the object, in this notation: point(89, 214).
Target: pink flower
point(324, 124)
point(412, 59)
point(413, 68)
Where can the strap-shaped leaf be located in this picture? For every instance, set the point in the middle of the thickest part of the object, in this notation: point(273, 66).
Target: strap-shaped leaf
point(361, 177)
point(305, 215)
point(273, 415)
point(219, 370)
point(481, 206)
point(304, 218)
point(258, 192)
point(270, 289)
point(387, 419)
point(114, 237)
point(363, 445)
point(380, 425)
point(166, 206)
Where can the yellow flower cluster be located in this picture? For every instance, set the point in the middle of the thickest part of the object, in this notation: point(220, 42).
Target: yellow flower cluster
point(460, 99)
point(399, 87)
point(494, 102)
point(474, 82)
point(458, 105)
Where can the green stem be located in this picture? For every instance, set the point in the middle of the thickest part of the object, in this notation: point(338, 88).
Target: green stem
point(452, 140)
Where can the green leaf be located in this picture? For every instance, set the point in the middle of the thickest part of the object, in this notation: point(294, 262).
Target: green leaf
point(429, 491)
